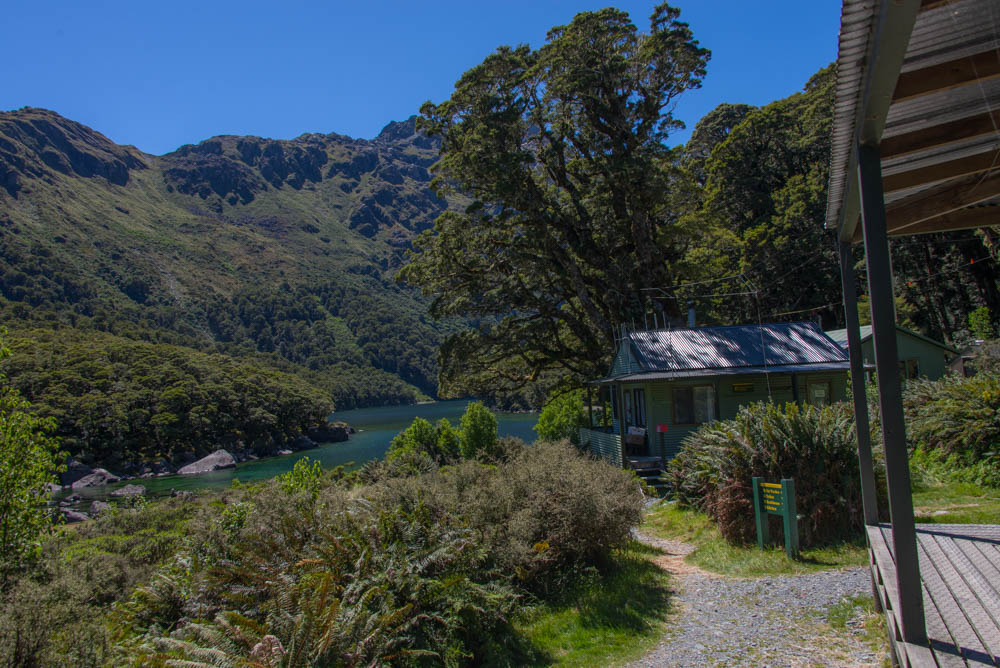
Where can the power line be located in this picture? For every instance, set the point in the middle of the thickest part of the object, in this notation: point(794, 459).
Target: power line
point(910, 282)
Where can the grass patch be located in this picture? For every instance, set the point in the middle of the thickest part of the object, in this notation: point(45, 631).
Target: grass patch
point(949, 502)
point(856, 616)
point(714, 554)
point(603, 619)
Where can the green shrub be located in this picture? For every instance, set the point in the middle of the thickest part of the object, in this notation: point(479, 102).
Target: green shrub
point(303, 478)
point(814, 446)
point(561, 417)
point(960, 417)
point(57, 614)
point(440, 443)
point(980, 323)
point(542, 511)
point(478, 432)
point(28, 462)
point(336, 581)
point(956, 467)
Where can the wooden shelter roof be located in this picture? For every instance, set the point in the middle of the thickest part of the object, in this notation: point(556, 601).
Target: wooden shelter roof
point(920, 79)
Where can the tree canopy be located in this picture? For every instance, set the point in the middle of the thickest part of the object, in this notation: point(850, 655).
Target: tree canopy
point(562, 152)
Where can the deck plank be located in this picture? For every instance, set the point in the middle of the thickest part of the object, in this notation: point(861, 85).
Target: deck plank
point(884, 572)
point(944, 648)
point(976, 573)
point(954, 615)
point(965, 595)
point(886, 566)
point(987, 560)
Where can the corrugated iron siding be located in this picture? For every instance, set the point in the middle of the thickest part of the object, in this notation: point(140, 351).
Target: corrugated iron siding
point(772, 344)
point(604, 445)
point(624, 362)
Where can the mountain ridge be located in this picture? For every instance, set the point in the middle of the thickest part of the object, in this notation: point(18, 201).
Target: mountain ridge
point(243, 245)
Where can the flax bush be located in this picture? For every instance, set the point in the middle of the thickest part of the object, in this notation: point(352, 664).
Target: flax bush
point(815, 446)
point(954, 423)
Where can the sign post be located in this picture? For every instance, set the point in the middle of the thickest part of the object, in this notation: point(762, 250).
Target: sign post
point(662, 429)
point(771, 498)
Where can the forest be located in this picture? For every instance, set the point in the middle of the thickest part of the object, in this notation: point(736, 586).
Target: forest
point(736, 228)
point(120, 402)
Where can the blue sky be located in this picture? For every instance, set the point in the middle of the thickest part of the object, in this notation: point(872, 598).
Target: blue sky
point(162, 74)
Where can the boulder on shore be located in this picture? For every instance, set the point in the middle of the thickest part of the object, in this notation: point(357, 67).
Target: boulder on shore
point(95, 478)
point(331, 433)
point(220, 459)
point(70, 500)
point(74, 471)
point(129, 490)
point(70, 516)
point(98, 507)
point(302, 443)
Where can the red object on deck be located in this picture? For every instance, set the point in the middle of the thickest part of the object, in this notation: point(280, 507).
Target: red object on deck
point(661, 429)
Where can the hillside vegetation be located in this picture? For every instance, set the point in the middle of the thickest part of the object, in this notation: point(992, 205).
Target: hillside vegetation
point(238, 245)
point(116, 401)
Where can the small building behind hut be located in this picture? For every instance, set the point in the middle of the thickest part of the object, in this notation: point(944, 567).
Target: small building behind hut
point(919, 355)
point(665, 383)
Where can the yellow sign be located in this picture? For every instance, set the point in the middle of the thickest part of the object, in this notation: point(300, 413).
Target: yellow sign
point(778, 499)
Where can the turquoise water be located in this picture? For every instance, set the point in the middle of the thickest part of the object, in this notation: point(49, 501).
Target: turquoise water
point(376, 427)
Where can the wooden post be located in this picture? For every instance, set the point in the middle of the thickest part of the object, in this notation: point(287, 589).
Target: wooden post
point(869, 500)
point(621, 423)
point(590, 406)
point(790, 518)
point(763, 535)
point(911, 612)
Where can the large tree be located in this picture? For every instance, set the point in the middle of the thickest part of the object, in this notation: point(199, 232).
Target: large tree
point(765, 190)
point(562, 152)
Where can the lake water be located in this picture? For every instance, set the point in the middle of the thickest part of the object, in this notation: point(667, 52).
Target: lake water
point(375, 427)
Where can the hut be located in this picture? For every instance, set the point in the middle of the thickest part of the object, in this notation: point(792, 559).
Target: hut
point(919, 355)
point(664, 383)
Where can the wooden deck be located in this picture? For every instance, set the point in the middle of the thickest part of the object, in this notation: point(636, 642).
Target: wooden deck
point(960, 578)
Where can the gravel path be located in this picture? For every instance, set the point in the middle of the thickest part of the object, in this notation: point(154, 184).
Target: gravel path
point(769, 621)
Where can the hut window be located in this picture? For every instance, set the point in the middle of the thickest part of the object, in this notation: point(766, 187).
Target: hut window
point(694, 404)
point(819, 394)
point(908, 369)
point(614, 402)
point(640, 408)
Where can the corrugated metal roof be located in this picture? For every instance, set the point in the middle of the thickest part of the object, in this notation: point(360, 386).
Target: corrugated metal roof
point(963, 32)
point(840, 336)
point(736, 371)
point(857, 27)
point(733, 347)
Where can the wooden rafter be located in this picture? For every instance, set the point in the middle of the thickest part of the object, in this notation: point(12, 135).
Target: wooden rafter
point(963, 219)
point(941, 135)
point(945, 76)
point(952, 169)
point(940, 200)
point(927, 5)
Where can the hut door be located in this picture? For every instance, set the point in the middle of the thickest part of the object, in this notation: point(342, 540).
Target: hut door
point(640, 408)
